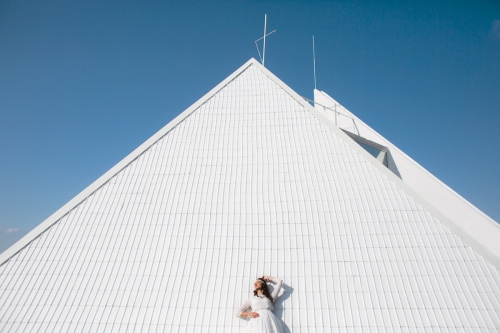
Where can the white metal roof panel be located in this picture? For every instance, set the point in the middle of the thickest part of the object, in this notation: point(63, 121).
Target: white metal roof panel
point(458, 210)
point(249, 181)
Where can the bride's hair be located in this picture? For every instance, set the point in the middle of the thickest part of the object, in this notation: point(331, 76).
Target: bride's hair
point(265, 290)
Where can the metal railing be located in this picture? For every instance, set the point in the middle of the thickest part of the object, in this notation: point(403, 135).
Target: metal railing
point(338, 117)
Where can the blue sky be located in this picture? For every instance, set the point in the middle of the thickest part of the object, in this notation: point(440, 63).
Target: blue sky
point(83, 84)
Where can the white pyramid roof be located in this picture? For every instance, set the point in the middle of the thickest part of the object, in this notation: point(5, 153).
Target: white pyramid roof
point(250, 180)
point(467, 220)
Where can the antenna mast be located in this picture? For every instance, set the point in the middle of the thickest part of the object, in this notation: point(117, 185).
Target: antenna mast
point(264, 49)
point(314, 64)
point(263, 57)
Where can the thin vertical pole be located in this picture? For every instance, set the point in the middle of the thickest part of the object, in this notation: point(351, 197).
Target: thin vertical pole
point(264, 51)
point(314, 63)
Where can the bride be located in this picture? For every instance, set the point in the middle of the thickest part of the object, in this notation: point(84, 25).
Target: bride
point(258, 307)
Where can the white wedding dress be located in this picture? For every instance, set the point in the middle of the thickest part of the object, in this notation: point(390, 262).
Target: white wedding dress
point(266, 322)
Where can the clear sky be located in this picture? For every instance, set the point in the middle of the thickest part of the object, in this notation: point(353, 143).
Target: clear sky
point(84, 83)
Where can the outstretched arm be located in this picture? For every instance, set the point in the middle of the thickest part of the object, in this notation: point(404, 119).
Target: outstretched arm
point(277, 287)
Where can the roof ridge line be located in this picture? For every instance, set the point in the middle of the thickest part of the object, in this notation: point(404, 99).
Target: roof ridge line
point(476, 241)
point(461, 233)
point(486, 216)
point(102, 180)
point(466, 237)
